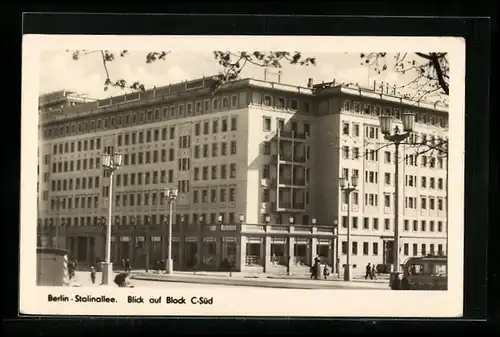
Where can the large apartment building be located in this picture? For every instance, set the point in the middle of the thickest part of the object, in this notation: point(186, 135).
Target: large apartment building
point(257, 166)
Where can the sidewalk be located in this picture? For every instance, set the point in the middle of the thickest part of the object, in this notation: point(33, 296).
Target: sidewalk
point(260, 280)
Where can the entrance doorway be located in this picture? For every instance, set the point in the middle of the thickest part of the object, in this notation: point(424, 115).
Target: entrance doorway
point(300, 254)
point(278, 253)
point(253, 257)
point(191, 254)
point(388, 257)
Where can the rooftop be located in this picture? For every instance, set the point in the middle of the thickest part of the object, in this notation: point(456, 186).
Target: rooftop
point(203, 85)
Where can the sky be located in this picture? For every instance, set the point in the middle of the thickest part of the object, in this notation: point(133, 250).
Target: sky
point(86, 75)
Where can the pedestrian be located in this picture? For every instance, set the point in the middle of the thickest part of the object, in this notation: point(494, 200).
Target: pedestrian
point(326, 271)
point(374, 272)
point(129, 265)
point(70, 269)
point(124, 265)
point(121, 280)
point(316, 267)
point(313, 272)
point(368, 271)
point(92, 274)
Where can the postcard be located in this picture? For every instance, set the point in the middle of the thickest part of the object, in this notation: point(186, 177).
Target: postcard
point(242, 176)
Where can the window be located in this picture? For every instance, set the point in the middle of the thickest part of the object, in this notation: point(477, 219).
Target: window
point(354, 248)
point(197, 129)
point(215, 126)
point(214, 172)
point(344, 247)
point(387, 200)
point(267, 148)
point(357, 107)
point(345, 152)
point(355, 153)
point(345, 129)
point(366, 223)
point(375, 248)
point(387, 178)
point(365, 248)
point(267, 124)
point(440, 183)
point(233, 147)
point(440, 204)
point(224, 125)
point(347, 106)
point(423, 203)
point(355, 130)
point(233, 123)
point(232, 171)
point(268, 100)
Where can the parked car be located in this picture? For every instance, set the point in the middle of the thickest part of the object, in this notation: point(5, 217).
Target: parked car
point(422, 273)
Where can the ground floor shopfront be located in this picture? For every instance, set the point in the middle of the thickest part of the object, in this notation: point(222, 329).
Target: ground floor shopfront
point(250, 248)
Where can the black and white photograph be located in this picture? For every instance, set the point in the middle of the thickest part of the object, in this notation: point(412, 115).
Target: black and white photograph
point(237, 175)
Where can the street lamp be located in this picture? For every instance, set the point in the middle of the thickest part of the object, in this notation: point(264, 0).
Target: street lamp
point(171, 195)
point(149, 223)
point(242, 218)
point(291, 220)
point(267, 219)
point(348, 187)
point(111, 163)
point(219, 218)
point(101, 224)
point(336, 237)
point(396, 138)
point(313, 221)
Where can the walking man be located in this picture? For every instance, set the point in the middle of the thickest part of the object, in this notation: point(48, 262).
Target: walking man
point(368, 271)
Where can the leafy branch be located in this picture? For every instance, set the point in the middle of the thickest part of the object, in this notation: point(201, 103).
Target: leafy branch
point(231, 62)
point(430, 70)
point(107, 57)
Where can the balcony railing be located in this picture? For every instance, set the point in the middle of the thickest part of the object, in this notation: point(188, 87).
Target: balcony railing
point(288, 158)
point(292, 135)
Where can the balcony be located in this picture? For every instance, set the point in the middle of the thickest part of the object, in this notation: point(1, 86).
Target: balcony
point(287, 182)
point(291, 207)
point(292, 135)
point(288, 158)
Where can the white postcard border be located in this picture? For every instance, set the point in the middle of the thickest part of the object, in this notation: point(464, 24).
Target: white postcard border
point(259, 301)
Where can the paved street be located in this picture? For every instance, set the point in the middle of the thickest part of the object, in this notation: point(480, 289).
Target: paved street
point(190, 280)
point(83, 279)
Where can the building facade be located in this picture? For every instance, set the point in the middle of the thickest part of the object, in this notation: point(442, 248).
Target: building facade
point(257, 167)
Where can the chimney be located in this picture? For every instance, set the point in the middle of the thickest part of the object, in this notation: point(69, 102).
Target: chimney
point(387, 88)
point(381, 87)
point(394, 89)
point(374, 85)
point(310, 83)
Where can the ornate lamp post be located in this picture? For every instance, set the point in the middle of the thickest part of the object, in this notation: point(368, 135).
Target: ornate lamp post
point(149, 222)
point(171, 196)
point(336, 237)
point(396, 138)
point(347, 188)
point(111, 163)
